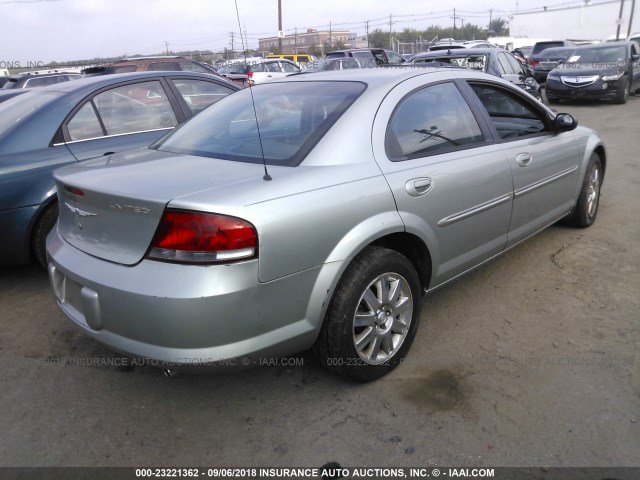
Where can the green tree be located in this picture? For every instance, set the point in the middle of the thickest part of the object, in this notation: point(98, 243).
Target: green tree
point(499, 27)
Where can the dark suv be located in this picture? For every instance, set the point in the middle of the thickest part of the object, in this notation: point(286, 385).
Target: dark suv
point(373, 56)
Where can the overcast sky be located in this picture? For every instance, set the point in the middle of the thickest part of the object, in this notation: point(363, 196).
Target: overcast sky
point(64, 30)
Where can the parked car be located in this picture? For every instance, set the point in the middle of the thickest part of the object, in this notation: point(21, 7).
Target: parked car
point(608, 71)
point(545, 61)
point(541, 46)
point(36, 79)
point(48, 127)
point(335, 64)
point(494, 61)
point(3, 79)
point(300, 59)
point(363, 190)
point(262, 70)
point(379, 56)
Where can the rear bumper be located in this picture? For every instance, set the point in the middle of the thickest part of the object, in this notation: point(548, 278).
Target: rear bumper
point(186, 315)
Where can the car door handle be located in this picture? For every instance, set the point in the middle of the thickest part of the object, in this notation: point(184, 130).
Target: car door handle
point(418, 186)
point(524, 159)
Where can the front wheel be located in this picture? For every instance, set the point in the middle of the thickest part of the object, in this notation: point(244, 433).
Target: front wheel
point(623, 91)
point(584, 214)
point(373, 316)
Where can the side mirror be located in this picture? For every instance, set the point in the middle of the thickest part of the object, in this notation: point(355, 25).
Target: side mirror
point(564, 122)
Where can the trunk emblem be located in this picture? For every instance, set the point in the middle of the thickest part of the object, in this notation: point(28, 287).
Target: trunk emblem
point(80, 213)
point(130, 208)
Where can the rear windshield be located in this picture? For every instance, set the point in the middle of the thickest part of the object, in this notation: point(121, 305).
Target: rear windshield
point(471, 62)
point(555, 53)
point(540, 46)
point(17, 109)
point(292, 118)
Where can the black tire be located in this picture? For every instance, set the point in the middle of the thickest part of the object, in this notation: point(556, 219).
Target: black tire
point(623, 91)
point(43, 226)
point(586, 209)
point(373, 272)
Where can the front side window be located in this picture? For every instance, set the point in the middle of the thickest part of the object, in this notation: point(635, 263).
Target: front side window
point(431, 120)
point(136, 107)
point(512, 116)
point(200, 94)
point(292, 118)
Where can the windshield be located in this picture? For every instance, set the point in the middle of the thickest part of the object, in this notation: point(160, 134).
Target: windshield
point(17, 109)
point(472, 62)
point(614, 55)
point(292, 118)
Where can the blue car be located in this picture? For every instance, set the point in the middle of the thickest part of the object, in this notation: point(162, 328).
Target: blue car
point(49, 127)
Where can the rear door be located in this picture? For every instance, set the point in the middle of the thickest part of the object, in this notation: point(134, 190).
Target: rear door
point(544, 163)
point(451, 182)
point(121, 118)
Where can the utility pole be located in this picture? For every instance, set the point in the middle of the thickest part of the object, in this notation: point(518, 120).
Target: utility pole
point(620, 20)
point(367, 22)
point(390, 37)
point(490, 17)
point(232, 42)
point(633, 6)
point(454, 23)
point(279, 26)
point(295, 41)
point(166, 48)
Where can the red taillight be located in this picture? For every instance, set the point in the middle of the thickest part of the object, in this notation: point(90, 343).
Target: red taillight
point(74, 191)
point(533, 63)
point(250, 74)
point(197, 237)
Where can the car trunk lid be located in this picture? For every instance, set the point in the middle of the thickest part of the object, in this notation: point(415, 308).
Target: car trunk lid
point(113, 214)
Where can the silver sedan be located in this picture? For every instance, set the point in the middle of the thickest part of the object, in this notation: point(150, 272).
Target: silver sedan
point(316, 214)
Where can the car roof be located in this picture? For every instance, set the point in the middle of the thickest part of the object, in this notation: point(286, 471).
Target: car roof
point(459, 52)
point(375, 77)
point(94, 83)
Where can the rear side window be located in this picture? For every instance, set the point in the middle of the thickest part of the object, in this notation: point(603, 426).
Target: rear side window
point(84, 124)
point(292, 117)
point(431, 120)
point(123, 69)
point(135, 108)
point(165, 66)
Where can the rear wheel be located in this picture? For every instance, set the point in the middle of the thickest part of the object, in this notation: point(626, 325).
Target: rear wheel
point(43, 226)
point(584, 214)
point(373, 316)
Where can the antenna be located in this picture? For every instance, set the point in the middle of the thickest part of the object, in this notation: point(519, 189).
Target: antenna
point(266, 176)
